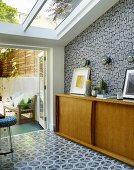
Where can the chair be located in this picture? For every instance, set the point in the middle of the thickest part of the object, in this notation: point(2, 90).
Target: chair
point(7, 122)
point(24, 114)
point(27, 114)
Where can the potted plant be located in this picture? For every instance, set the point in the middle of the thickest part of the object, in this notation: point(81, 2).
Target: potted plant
point(94, 91)
point(102, 86)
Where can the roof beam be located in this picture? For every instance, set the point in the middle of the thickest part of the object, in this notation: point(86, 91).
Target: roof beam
point(33, 13)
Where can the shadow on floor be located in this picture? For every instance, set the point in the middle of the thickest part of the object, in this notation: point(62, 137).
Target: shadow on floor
point(22, 128)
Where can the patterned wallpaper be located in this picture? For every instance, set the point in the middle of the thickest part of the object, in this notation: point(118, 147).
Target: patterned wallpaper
point(112, 34)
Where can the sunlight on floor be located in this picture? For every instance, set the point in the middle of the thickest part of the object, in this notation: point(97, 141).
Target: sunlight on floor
point(22, 128)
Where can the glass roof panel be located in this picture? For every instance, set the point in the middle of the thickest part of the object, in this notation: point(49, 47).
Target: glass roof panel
point(15, 11)
point(54, 12)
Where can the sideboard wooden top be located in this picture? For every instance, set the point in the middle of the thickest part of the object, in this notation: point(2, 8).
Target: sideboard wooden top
point(96, 99)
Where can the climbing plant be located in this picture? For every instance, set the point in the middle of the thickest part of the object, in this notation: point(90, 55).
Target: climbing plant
point(15, 71)
point(4, 54)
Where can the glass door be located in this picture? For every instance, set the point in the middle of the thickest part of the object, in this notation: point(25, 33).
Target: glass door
point(41, 111)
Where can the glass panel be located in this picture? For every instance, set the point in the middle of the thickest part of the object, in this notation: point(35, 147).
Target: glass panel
point(15, 11)
point(41, 59)
point(42, 89)
point(54, 12)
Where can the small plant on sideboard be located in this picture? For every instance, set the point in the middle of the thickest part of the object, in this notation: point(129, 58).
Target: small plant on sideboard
point(102, 86)
point(94, 91)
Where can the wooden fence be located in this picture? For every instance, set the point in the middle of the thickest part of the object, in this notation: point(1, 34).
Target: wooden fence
point(20, 63)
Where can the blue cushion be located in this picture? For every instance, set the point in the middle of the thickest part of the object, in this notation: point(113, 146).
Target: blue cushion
point(8, 121)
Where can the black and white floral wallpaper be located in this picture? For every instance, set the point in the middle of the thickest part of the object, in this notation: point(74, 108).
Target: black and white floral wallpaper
point(112, 35)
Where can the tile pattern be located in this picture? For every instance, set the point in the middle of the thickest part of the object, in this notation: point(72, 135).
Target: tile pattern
point(44, 150)
point(112, 34)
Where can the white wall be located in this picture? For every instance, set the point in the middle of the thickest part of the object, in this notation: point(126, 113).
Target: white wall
point(55, 80)
point(14, 86)
point(18, 88)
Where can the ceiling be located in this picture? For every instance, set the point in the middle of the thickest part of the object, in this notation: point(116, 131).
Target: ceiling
point(83, 15)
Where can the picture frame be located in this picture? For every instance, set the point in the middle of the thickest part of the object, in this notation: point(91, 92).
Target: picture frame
point(128, 88)
point(78, 84)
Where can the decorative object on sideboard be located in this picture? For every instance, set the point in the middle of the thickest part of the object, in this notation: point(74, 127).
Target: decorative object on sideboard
point(88, 87)
point(130, 57)
point(78, 85)
point(102, 86)
point(106, 60)
point(85, 62)
point(119, 95)
point(128, 89)
point(94, 91)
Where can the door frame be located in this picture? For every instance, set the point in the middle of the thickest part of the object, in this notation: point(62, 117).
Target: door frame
point(55, 75)
point(43, 122)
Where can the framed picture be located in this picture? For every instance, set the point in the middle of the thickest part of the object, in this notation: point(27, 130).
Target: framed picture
point(78, 85)
point(128, 90)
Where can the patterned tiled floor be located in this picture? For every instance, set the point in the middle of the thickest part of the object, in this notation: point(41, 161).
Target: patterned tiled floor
point(43, 150)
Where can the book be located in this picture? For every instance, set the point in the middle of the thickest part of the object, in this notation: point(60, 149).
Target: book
point(105, 96)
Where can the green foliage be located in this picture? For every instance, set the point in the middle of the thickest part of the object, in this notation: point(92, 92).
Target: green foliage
point(4, 53)
point(7, 13)
point(24, 104)
point(95, 88)
point(29, 100)
point(14, 72)
point(60, 8)
point(102, 85)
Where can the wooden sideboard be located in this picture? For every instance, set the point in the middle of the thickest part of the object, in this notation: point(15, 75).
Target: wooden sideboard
point(105, 125)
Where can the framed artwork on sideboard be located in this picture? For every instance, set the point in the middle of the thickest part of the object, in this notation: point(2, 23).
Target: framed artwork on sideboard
point(78, 85)
point(128, 89)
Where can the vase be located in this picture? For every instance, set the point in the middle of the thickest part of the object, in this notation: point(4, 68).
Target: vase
point(103, 91)
point(88, 88)
point(94, 93)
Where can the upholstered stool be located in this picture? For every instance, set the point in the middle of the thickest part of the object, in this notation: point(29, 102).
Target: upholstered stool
point(7, 122)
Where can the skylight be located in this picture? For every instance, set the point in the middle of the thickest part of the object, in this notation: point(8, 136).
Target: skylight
point(54, 12)
point(32, 12)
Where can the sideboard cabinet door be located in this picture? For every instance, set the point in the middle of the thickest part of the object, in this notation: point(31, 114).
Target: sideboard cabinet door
point(114, 128)
point(75, 118)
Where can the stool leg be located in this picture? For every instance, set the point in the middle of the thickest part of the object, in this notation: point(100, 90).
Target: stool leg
point(10, 141)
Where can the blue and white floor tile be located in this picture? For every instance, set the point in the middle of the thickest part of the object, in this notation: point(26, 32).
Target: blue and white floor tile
point(44, 150)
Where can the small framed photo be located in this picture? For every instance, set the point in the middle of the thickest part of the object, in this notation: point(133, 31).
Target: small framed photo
point(128, 90)
point(78, 85)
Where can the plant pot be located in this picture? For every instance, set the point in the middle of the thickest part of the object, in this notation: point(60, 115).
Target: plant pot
point(94, 92)
point(103, 91)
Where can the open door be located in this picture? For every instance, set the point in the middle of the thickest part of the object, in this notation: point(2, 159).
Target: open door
point(42, 96)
